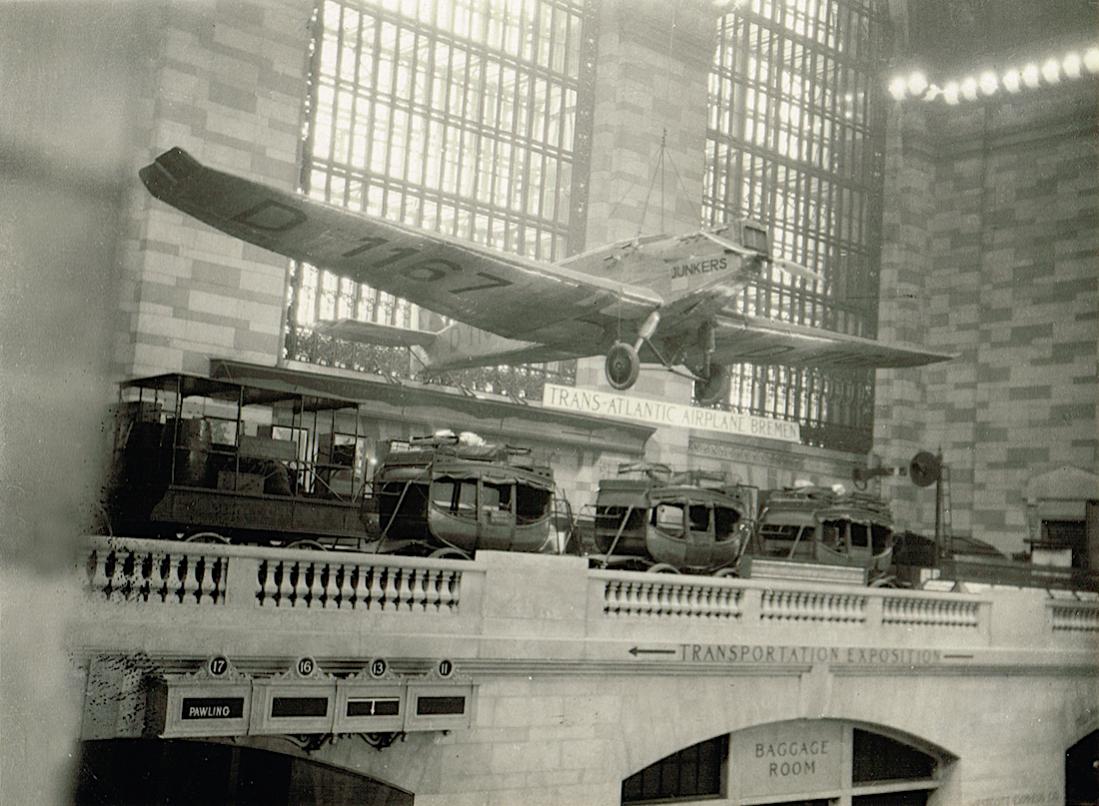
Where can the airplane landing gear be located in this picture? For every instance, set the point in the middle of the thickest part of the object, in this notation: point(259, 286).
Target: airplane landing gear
point(622, 366)
point(623, 363)
point(713, 386)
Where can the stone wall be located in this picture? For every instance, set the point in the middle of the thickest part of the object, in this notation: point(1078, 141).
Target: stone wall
point(992, 252)
point(226, 81)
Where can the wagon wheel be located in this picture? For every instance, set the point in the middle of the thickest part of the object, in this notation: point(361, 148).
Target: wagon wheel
point(728, 571)
point(307, 543)
point(206, 537)
point(663, 568)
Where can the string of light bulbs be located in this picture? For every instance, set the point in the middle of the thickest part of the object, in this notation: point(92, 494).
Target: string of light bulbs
point(1032, 75)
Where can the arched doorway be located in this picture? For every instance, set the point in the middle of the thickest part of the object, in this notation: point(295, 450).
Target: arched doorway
point(121, 772)
point(1082, 772)
point(795, 763)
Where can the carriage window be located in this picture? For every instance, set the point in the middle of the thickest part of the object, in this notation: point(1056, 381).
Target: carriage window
point(860, 537)
point(611, 518)
point(669, 518)
point(832, 534)
point(531, 503)
point(725, 522)
point(700, 517)
point(778, 531)
point(880, 537)
point(496, 496)
point(457, 496)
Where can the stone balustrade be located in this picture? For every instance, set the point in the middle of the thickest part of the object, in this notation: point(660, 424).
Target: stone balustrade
point(215, 575)
point(1081, 617)
point(340, 596)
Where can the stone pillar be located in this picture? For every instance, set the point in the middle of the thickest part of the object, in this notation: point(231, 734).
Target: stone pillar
point(653, 64)
point(227, 82)
point(901, 410)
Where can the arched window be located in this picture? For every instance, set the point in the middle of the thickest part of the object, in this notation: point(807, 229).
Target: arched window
point(800, 761)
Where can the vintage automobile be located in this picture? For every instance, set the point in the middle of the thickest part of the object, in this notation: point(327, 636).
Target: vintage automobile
point(825, 528)
point(650, 518)
point(447, 495)
point(214, 460)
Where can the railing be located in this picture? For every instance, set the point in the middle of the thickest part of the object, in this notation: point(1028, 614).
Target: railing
point(236, 587)
point(625, 594)
point(1074, 616)
point(217, 576)
point(708, 599)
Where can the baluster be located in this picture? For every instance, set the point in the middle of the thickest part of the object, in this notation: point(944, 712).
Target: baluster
point(141, 577)
point(263, 574)
point(392, 599)
point(447, 591)
point(456, 590)
point(404, 597)
point(203, 585)
point(346, 592)
point(690, 600)
point(419, 594)
point(663, 600)
point(434, 579)
point(611, 596)
point(362, 592)
point(118, 578)
point(301, 584)
point(187, 584)
point(286, 589)
point(316, 589)
point(218, 571)
point(157, 583)
point(377, 591)
point(331, 590)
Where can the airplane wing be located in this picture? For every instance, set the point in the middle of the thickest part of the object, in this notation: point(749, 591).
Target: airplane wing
point(509, 295)
point(753, 340)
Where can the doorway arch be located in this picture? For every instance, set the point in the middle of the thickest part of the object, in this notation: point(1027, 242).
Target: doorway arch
point(157, 771)
point(822, 762)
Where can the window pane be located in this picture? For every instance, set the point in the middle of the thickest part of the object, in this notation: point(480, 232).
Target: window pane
point(422, 112)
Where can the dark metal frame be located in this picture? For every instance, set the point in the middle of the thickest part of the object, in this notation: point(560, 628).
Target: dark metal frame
point(461, 119)
point(796, 139)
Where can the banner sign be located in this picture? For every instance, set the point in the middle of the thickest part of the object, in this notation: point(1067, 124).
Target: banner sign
point(666, 414)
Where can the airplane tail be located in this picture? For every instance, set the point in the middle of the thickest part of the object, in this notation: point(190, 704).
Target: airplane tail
point(456, 346)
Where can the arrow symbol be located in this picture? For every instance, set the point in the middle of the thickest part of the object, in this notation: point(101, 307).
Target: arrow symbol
point(635, 651)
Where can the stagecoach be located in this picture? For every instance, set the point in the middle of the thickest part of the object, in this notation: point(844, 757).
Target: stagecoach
point(830, 530)
point(652, 519)
point(449, 495)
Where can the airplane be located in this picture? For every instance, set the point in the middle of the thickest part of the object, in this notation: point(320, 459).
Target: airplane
point(655, 299)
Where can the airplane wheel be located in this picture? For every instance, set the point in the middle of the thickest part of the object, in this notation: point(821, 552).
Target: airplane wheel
point(714, 388)
point(623, 365)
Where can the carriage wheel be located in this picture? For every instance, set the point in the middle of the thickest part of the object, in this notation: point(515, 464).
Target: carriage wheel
point(306, 543)
point(663, 568)
point(206, 537)
point(449, 553)
point(727, 572)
